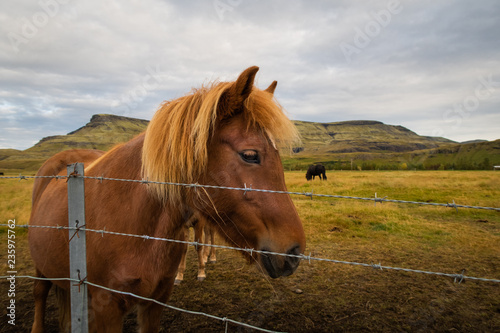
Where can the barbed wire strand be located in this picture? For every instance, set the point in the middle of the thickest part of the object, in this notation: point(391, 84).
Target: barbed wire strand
point(223, 319)
point(309, 258)
point(248, 189)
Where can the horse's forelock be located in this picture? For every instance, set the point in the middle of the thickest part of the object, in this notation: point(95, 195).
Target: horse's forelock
point(176, 141)
point(264, 112)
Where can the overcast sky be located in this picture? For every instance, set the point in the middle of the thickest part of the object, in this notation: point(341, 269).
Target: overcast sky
point(431, 66)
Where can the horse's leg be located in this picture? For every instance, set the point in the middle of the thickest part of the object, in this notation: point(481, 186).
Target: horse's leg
point(105, 312)
point(149, 317)
point(40, 292)
point(206, 249)
point(198, 237)
point(182, 264)
point(210, 239)
point(149, 314)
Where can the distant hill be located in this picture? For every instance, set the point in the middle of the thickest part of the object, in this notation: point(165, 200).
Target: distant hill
point(473, 141)
point(102, 132)
point(359, 144)
point(361, 136)
point(5, 153)
point(474, 155)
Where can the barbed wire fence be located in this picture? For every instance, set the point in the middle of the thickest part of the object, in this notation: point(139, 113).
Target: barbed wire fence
point(457, 277)
point(80, 282)
point(250, 189)
point(80, 229)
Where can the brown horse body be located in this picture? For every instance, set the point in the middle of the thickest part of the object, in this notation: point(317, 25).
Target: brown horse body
point(224, 136)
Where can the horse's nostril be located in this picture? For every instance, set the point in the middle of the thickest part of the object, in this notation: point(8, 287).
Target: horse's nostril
point(268, 260)
point(292, 262)
point(276, 265)
point(294, 251)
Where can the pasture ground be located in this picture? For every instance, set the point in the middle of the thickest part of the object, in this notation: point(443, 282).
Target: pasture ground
point(327, 297)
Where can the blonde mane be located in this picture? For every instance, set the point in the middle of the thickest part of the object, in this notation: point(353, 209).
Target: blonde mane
point(176, 141)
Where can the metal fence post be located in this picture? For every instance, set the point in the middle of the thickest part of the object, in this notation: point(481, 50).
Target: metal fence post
point(77, 248)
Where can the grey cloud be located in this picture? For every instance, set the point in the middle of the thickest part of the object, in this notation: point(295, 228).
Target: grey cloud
point(94, 57)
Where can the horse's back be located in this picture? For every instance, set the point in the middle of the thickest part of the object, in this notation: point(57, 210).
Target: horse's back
point(56, 165)
point(50, 208)
point(321, 169)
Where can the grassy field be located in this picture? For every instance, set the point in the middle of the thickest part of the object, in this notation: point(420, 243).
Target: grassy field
point(327, 297)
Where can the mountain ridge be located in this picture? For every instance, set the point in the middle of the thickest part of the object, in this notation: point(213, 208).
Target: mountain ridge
point(362, 136)
point(355, 140)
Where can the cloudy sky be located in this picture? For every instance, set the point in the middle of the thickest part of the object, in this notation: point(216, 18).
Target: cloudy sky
point(431, 66)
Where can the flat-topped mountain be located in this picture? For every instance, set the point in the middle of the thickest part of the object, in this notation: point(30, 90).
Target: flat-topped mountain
point(102, 132)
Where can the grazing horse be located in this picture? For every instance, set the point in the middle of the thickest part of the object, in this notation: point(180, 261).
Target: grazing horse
point(224, 134)
point(203, 234)
point(316, 170)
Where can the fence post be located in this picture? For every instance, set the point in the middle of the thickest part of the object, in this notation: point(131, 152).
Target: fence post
point(77, 249)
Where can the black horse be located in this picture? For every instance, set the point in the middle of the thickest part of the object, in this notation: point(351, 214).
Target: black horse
point(316, 170)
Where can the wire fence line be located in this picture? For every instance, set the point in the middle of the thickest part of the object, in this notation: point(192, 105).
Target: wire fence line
point(457, 277)
point(250, 189)
point(126, 293)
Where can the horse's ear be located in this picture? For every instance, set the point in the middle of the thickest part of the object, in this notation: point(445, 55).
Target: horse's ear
point(243, 85)
point(233, 98)
point(272, 87)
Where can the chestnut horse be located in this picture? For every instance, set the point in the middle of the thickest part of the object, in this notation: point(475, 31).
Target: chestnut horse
point(203, 234)
point(224, 134)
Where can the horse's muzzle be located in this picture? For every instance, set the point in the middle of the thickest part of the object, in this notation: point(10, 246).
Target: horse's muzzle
point(279, 265)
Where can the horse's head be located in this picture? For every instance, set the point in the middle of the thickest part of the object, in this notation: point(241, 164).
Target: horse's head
point(226, 135)
point(242, 153)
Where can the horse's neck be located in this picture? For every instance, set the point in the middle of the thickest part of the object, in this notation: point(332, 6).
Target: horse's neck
point(123, 161)
point(145, 214)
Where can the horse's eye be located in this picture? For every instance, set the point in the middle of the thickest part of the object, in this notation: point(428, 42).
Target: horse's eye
point(250, 156)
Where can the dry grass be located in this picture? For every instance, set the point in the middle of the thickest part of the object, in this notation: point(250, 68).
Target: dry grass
point(339, 297)
point(15, 200)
